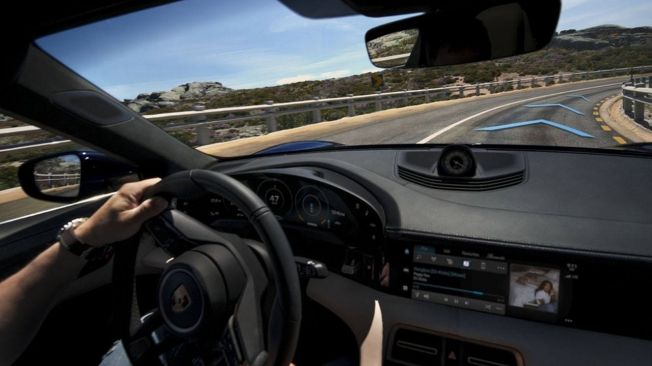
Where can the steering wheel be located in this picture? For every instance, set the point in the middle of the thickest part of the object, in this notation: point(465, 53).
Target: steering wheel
point(218, 300)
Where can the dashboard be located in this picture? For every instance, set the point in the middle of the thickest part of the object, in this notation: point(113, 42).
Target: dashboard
point(513, 248)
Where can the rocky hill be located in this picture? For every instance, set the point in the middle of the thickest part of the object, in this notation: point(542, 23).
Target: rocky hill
point(604, 36)
point(189, 91)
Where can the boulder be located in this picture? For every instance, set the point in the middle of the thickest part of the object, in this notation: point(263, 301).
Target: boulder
point(170, 95)
point(134, 107)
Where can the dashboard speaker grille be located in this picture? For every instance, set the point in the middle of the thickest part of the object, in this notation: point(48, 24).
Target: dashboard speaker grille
point(461, 184)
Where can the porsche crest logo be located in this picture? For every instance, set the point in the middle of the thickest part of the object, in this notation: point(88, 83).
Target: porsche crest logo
point(180, 299)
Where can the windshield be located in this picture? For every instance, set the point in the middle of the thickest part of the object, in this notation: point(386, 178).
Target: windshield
point(297, 79)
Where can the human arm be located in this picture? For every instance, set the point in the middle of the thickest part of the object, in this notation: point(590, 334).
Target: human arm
point(27, 296)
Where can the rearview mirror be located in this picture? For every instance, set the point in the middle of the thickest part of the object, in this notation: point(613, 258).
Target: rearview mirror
point(457, 36)
point(71, 176)
point(393, 49)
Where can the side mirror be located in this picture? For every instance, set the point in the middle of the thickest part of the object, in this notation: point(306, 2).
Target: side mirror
point(71, 176)
point(451, 36)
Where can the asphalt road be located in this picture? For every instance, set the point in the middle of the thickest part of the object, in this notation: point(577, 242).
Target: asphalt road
point(459, 123)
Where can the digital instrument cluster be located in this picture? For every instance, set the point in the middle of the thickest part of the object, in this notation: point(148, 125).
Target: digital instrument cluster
point(298, 201)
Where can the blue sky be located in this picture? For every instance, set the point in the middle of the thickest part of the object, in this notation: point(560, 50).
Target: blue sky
point(249, 43)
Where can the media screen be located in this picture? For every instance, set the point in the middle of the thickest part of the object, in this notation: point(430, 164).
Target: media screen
point(534, 288)
point(483, 282)
point(470, 282)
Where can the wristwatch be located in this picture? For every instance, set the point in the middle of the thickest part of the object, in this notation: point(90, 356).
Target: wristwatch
point(70, 242)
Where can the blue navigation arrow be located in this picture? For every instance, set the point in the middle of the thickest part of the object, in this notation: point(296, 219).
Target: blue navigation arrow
point(579, 96)
point(536, 122)
point(555, 105)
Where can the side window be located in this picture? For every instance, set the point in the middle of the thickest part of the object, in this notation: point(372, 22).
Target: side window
point(19, 142)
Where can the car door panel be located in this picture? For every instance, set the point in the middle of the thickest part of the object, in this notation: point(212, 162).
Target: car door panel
point(22, 239)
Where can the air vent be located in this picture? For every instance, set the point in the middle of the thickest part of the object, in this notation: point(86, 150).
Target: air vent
point(494, 170)
point(411, 347)
point(461, 184)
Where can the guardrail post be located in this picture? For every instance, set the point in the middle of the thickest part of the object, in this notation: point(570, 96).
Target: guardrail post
point(461, 92)
point(639, 112)
point(628, 105)
point(532, 83)
point(203, 135)
point(379, 103)
point(427, 97)
point(477, 90)
point(270, 120)
point(518, 83)
point(351, 105)
point(316, 112)
point(406, 99)
point(202, 131)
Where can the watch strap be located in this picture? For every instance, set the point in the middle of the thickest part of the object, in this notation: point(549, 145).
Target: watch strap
point(70, 242)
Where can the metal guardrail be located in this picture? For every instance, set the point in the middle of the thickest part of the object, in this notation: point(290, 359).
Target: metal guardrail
point(636, 95)
point(50, 178)
point(270, 111)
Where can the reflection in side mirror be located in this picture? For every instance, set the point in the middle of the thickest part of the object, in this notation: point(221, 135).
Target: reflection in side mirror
point(71, 176)
point(457, 36)
point(58, 176)
point(392, 50)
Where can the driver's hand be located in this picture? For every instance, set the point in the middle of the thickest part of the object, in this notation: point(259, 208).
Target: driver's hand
point(122, 215)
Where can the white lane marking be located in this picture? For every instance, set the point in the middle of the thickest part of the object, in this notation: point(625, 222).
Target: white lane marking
point(35, 145)
point(455, 124)
point(94, 198)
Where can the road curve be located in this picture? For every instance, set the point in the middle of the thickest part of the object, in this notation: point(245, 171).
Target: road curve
point(459, 123)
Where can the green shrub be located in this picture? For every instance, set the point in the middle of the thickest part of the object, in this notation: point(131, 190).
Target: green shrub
point(8, 177)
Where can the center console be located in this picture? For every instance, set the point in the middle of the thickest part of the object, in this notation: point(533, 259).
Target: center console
point(599, 293)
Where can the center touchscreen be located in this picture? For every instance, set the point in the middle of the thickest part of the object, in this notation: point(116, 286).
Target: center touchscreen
point(483, 282)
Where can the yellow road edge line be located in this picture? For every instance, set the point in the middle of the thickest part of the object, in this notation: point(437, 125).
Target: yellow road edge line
point(596, 113)
point(605, 128)
point(598, 119)
point(619, 140)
